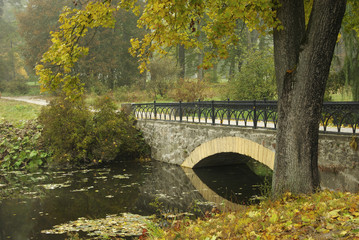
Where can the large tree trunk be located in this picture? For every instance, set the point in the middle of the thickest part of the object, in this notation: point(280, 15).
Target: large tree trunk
point(302, 58)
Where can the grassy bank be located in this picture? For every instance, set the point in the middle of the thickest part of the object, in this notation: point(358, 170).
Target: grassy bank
point(15, 110)
point(324, 215)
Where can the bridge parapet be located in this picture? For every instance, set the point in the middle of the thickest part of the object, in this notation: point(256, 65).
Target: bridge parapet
point(336, 117)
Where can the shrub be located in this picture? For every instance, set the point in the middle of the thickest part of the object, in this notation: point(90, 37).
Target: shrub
point(18, 87)
point(66, 129)
point(114, 132)
point(132, 94)
point(256, 80)
point(163, 71)
point(189, 90)
point(77, 135)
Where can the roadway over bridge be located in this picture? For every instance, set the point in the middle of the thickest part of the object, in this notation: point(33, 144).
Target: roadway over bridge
point(213, 133)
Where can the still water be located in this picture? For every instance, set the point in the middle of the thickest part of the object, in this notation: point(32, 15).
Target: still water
point(32, 202)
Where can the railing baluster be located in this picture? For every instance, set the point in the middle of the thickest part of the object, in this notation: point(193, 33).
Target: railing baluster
point(254, 114)
point(228, 113)
point(199, 110)
point(180, 110)
point(154, 109)
point(213, 117)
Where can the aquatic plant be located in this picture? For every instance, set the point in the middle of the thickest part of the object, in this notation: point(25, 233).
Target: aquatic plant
point(21, 146)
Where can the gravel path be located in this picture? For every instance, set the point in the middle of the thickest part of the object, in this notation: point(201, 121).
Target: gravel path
point(28, 99)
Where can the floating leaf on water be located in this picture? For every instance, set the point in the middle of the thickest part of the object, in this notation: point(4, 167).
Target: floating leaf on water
point(101, 177)
point(113, 225)
point(109, 196)
point(30, 193)
point(79, 190)
point(61, 176)
point(54, 186)
point(163, 196)
point(130, 185)
point(122, 176)
point(40, 178)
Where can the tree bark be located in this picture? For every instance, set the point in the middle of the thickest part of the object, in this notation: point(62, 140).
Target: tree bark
point(200, 71)
point(232, 63)
point(182, 60)
point(302, 59)
point(1, 8)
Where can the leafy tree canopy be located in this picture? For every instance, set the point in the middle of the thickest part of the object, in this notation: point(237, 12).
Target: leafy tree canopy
point(58, 61)
point(169, 23)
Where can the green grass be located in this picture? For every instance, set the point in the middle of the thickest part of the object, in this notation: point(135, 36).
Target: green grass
point(34, 83)
point(16, 110)
point(344, 96)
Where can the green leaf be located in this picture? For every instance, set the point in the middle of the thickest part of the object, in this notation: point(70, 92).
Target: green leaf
point(33, 154)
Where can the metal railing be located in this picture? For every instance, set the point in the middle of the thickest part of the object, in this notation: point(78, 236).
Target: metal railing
point(340, 117)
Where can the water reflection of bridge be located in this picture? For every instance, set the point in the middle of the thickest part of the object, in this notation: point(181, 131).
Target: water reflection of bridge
point(208, 194)
point(181, 189)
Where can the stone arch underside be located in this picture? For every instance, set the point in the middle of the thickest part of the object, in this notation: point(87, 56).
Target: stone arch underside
point(230, 145)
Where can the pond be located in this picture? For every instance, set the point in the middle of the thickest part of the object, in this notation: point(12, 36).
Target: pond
point(31, 204)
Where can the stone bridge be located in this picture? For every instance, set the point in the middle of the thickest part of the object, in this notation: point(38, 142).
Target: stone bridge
point(194, 145)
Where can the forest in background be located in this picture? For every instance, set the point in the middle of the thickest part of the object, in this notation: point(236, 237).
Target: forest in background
point(246, 74)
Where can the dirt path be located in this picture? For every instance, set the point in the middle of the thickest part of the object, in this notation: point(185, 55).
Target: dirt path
point(28, 99)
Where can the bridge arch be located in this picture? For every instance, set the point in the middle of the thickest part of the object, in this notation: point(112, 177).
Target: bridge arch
point(230, 145)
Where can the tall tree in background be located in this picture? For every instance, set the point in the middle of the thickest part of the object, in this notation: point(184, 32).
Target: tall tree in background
point(182, 60)
point(351, 42)
point(351, 62)
point(1, 8)
point(108, 62)
point(303, 54)
point(10, 60)
point(39, 18)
